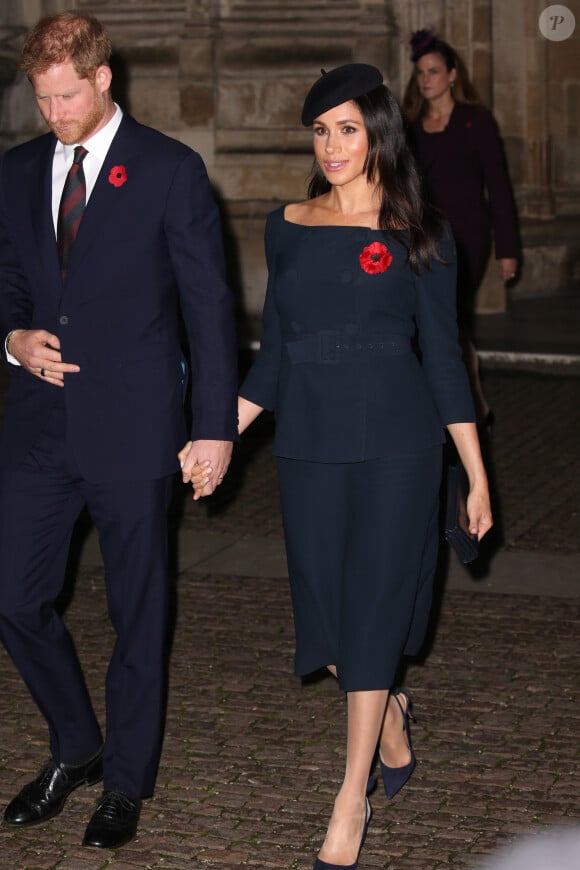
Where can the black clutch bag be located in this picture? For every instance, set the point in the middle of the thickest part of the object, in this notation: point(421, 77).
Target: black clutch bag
point(456, 520)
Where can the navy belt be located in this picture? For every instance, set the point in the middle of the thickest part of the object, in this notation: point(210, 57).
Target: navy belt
point(330, 346)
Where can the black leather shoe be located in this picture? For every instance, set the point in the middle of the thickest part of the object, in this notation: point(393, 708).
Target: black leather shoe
point(44, 797)
point(114, 822)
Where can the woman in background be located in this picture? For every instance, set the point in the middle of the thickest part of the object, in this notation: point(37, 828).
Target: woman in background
point(353, 271)
point(457, 145)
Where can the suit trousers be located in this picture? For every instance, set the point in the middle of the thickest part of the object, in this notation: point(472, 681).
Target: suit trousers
point(40, 502)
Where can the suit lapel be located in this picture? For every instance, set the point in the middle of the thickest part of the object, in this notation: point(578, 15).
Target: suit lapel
point(40, 174)
point(104, 197)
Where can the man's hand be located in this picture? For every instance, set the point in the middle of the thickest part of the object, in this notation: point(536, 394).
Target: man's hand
point(38, 351)
point(213, 456)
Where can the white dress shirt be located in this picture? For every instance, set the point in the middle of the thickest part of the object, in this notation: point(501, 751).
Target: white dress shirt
point(97, 147)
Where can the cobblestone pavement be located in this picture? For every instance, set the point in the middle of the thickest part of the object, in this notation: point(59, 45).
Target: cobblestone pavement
point(253, 756)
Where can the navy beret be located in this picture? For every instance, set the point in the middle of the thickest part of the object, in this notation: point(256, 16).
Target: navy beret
point(338, 86)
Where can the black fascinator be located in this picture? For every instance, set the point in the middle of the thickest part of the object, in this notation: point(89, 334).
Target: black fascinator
point(420, 42)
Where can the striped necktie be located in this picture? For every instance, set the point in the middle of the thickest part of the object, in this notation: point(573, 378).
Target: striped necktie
point(71, 208)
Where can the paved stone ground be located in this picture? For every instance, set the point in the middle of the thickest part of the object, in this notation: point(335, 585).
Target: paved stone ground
point(253, 756)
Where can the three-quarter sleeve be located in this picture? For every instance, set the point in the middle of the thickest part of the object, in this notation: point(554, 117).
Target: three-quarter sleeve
point(261, 384)
point(436, 316)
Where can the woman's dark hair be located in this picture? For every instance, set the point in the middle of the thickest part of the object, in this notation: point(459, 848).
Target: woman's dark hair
point(391, 165)
point(427, 42)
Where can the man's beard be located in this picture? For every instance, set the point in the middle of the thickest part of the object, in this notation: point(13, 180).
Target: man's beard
point(80, 129)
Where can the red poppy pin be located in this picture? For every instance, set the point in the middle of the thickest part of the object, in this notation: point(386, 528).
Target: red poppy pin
point(375, 258)
point(118, 176)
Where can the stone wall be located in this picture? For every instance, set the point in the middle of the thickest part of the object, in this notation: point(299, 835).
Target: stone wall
point(229, 77)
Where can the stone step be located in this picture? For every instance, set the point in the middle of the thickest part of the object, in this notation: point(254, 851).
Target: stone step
point(316, 10)
point(313, 7)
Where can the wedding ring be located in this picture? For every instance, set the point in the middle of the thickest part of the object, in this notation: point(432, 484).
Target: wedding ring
point(513, 275)
point(42, 373)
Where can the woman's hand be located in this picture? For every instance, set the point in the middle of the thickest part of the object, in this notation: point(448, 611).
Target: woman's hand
point(199, 475)
point(465, 438)
point(199, 478)
point(508, 267)
point(479, 511)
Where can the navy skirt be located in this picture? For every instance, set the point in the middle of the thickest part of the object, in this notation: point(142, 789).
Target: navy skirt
point(361, 542)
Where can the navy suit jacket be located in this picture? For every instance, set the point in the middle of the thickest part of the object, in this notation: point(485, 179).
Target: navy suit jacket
point(144, 249)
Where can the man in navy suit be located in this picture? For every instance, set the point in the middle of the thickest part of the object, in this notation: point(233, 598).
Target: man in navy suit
point(94, 414)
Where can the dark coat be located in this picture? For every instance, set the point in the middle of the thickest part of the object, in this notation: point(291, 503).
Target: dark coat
point(465, 172)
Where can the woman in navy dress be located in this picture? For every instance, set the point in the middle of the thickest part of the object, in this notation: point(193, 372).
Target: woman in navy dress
point(459, 151)
point(354, 272)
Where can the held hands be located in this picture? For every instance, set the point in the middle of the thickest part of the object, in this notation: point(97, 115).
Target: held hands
point(200, 480)
point(204, 464)
point(38, 351)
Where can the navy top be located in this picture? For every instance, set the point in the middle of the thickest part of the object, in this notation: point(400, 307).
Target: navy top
point(336, 363)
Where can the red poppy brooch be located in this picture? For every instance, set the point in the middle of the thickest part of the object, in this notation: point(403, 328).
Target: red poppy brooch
point(375, 258)
point(118, 176)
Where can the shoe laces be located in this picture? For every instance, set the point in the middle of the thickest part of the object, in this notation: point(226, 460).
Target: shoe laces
point(43, 780)
point(47, 772)
point(111, 802)
point(41, 783)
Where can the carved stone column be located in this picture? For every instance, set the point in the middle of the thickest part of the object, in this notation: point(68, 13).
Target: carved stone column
point(15, 100)
point(536, 89)
point(520, 56)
